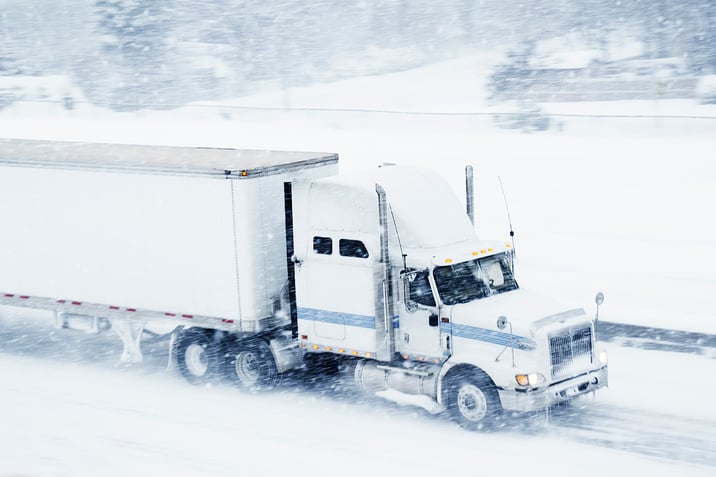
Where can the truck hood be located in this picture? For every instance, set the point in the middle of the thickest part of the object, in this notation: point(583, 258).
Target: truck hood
point(526, 310)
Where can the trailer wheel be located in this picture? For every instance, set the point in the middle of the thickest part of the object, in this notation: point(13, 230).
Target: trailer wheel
point(198, 355)
point(251, 365)
point(472, 400)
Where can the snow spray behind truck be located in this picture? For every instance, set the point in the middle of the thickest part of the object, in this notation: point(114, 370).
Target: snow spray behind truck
point(254, 263)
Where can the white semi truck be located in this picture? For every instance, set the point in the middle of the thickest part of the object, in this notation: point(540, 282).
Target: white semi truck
point(254, 263)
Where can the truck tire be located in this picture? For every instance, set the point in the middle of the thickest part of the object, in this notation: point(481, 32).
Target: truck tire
point(198, 355)
point(472, 400)
point(250, 364)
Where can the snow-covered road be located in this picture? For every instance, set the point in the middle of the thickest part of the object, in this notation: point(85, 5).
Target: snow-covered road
point(672, 437)
point(69, 410)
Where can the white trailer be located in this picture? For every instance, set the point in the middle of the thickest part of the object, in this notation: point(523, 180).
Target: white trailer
point(153, 237)
point(258, 262)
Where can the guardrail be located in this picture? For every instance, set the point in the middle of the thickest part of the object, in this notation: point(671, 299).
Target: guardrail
point(660, 339)
point(398, 112)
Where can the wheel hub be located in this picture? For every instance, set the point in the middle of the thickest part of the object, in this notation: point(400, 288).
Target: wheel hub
point(472, 403)
point(247, 367)
point(197, 363)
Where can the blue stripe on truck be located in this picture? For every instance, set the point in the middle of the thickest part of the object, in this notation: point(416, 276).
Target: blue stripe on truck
point(339, 318)
point(458, 331)
point(489, 336)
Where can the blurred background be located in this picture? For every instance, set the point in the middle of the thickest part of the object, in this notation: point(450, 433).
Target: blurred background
point(161, 54)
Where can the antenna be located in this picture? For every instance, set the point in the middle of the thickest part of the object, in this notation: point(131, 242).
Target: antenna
point(397, 234)
point(509, 221)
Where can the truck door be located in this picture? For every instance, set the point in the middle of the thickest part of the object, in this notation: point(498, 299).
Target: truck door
point(336, 291)
point(419, 336)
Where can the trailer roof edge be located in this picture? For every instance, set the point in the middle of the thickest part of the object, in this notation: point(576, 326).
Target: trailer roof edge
point(224, 163)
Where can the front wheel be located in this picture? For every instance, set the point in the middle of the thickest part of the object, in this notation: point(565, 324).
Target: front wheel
point(250, 364)
point(472, 400)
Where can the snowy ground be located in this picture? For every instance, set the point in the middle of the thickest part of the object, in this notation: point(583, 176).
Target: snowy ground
point(620, 205)
point(68, 411)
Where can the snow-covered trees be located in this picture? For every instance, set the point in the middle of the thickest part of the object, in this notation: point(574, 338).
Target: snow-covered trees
point(154, 53)
point(131, 68)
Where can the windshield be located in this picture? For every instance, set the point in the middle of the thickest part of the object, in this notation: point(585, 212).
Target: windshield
point(468, 281)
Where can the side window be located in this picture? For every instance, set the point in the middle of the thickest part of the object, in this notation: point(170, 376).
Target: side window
point(323, 245)
point(352, 248)
point(420, 291)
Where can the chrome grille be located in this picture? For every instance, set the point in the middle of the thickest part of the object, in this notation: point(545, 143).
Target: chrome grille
point(568, 348)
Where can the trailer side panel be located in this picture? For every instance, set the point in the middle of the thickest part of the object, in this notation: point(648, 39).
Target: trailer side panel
point(162, 243)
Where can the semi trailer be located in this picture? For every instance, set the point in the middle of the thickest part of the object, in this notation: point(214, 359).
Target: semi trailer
point(256, 263)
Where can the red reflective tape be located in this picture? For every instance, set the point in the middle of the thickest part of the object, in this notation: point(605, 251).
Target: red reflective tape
point(112, 307)
point(24, 297)
point(76, 302)
point(61, 301)
point(187, 316)
point(132, 309)
point(170, 314)
point(9, 295)
point(224, 320)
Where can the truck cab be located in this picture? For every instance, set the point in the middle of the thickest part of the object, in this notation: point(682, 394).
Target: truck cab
point(391, 275)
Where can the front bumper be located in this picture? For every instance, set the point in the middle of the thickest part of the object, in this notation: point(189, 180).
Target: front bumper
point(565, 390)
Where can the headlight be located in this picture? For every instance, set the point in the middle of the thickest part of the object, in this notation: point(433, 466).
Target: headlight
point(603, 358)
point(531, 379)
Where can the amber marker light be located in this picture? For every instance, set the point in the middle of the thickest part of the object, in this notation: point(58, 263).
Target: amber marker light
point(531, 379)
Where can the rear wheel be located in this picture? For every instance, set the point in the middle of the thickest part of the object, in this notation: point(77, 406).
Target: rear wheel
point(198, 355)
point(472, 400)
point(250, 364)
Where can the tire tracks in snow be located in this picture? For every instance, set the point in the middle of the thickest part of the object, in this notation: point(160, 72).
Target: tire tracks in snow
point(670, 437)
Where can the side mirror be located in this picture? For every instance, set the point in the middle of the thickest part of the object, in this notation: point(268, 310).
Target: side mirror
point(502, 322)
point(598, 299)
